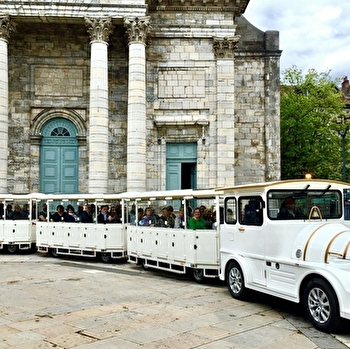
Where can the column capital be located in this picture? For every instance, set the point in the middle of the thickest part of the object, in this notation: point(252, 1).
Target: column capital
point(137, 28)
point(7, 26)
point(99, 28)
point(224, 47)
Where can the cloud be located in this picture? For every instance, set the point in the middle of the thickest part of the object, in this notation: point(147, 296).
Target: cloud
point(313, 34)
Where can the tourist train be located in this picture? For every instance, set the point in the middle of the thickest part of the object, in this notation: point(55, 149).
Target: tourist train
point(289, 239)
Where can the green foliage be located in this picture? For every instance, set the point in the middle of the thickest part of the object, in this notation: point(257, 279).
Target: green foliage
point(312, 113)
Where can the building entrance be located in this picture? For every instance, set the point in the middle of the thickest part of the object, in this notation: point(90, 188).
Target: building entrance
point(181, 166)
point(59, 157)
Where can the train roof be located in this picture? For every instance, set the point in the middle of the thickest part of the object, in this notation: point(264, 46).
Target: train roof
point(301, 184)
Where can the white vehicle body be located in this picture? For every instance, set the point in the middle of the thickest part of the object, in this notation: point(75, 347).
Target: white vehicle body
point(258, 242)
point(77, 238)
point(281, 257)
point(177, 250)
point(16, 233)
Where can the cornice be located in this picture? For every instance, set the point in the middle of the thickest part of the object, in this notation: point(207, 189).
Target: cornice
point(68, 11)
point(237, 7)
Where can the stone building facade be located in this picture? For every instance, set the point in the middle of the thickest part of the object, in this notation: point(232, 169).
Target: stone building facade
point(106, 96)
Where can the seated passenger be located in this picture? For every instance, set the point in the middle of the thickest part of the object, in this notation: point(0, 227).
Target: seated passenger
point(86, 216)
point(16, 213)
point(180, 219)
point(208, 218)
point(288, 210)
point(59, 215)
point(149, 219)
point(71, 215)
point(196, 222)
point(43, 213)
point(165, 220)
point(104, 216)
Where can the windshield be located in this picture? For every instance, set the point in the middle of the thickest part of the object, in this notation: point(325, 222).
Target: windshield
point(289, 204)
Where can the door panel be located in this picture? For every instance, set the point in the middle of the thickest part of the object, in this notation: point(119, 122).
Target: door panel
point(59, 170)
point(59, 161)
point(181, 166)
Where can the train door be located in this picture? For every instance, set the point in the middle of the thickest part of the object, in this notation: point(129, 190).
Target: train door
point(243, 236)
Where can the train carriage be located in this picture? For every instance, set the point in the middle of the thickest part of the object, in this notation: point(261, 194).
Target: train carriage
point(78, 238)
point(176, 249)
point(17, 230)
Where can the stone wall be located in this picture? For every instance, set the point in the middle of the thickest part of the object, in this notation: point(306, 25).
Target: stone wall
point(227, 104)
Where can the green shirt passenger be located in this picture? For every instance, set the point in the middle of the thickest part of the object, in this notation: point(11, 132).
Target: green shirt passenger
point(196, 222)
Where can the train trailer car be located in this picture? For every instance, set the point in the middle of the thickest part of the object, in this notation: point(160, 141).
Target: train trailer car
point(290, 239)
point(17, 227)
point(81, 232)
point(161, 238)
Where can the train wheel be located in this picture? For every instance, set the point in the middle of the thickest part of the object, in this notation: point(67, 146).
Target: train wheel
point(12, 248)
point(105, 257)
point(53, 252)
point(321, 305)
point(198, 275)
point(235, 281)
point(144, 265)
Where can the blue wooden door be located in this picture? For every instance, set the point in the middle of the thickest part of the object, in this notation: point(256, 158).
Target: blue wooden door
point(59, 157)
point(181, 166)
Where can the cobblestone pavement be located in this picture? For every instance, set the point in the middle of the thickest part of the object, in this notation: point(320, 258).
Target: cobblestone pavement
point(77, 303)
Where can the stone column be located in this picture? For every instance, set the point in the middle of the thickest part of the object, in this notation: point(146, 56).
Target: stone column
point(99, 30)
point(224, 54)
point(136, 30)
point(6, 27)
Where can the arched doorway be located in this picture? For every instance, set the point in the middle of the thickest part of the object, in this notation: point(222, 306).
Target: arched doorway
point(59, 160)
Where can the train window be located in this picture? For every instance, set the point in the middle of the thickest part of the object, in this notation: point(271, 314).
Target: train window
point(251, 210)
point(346, 193)
point(230, 210)
point(304, 204)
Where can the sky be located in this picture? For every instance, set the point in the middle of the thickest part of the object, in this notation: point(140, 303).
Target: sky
point(314, 34)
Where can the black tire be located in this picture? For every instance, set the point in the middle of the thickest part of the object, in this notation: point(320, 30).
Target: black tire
point(53, 252)
point(144, 266)
point(321, 307)
point(12, 248)
point(105, 257)
point(235, 281)
point(198, 275)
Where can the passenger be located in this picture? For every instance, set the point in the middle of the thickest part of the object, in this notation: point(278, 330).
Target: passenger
point(288, 210)
point(140, 214)
point(59, 215)
point(202, 209)
point(149, 219)
point(229, 216)
point(208, 218)
point(116, 213)
point(71, 216)
point(1, 210)
point(195, 221)
point(180, 219)
point(104, 216)
point(165, 220)
point(132, 215)
point(86, 215)
point(171, 212)
point(17, 213)
point(25, 211)
point(9, 211)
point(80, 211)
point(43, 213)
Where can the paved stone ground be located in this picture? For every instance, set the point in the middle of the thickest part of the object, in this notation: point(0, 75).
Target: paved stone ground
point(73, 303)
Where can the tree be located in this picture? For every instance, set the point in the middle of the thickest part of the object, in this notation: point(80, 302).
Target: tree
point(312, 113)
